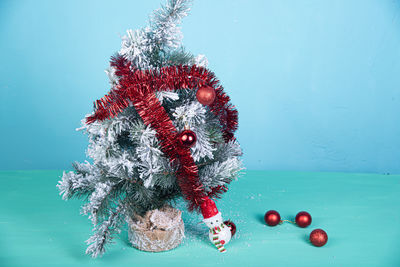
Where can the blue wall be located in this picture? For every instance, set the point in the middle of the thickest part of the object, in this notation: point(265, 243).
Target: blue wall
point(317, 83)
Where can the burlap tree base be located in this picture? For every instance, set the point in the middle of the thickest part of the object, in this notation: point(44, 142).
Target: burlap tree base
point(158, 230)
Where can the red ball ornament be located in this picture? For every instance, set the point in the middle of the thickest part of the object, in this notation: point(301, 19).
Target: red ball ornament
point(232, 226)
point(205, 95)
point(272, 217)
point(318, 237)
point(187, 138)
point(303, 219)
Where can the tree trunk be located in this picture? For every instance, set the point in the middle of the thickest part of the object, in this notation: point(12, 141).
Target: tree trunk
point(158, 230)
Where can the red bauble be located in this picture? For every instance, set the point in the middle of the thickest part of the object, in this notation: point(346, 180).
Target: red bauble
point(232, 226)
point(205, 95)
point(187, 138)
point(318, 237)
point(272, 217)
point(303, 219)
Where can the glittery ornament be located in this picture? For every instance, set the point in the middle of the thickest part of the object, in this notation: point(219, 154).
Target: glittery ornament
point(318, 237)
point(205, 95)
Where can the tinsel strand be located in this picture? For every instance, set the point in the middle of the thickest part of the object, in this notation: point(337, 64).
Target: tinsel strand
point(138, 87)
point(170, 78)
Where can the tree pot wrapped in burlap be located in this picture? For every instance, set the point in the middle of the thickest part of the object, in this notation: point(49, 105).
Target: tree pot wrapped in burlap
point(158, 230)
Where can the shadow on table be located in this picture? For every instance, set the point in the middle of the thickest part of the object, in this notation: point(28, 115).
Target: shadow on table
point(260, 218)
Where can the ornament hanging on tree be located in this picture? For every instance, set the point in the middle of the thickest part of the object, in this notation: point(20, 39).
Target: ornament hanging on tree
point(187, 138)
point(141, 162)
point(205, 95)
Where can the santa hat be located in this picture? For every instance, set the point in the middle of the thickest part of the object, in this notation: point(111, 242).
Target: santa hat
point(208, 208)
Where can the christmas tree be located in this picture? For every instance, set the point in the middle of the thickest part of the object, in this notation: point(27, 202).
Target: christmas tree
point(165, 130)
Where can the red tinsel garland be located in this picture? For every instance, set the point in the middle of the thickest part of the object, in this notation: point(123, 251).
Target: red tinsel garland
point(138, 87)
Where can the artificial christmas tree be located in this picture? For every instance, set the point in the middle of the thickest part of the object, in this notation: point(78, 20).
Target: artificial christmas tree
point(165, 130)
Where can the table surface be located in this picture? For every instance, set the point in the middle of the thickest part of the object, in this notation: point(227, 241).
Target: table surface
point(360, 213)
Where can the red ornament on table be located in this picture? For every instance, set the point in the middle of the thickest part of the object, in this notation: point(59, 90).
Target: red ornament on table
point(232, 226)
point(318, 237)
point(205, 95)
point(303, 219)
point(187, 138)
point(272, 217)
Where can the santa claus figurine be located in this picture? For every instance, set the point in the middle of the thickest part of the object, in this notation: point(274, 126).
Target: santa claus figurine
point(220, 233)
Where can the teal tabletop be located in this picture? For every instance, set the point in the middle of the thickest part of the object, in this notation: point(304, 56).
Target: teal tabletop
point(359, 212)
